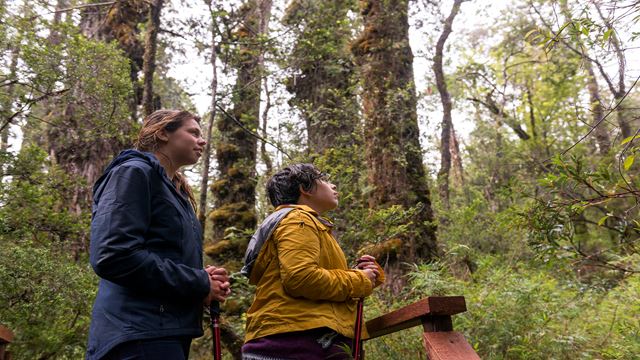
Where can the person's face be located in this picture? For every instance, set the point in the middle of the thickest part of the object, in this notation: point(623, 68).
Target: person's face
point(185, 145)
point(323, 197)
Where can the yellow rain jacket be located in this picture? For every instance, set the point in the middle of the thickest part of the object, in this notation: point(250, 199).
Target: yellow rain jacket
point(303, 281)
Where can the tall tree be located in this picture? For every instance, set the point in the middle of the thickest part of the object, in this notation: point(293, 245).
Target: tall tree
point(324, 84)
point(394, 156)
point(236, 151)
point(86, 129)
point(595, 99)
point(597, 111)
point(118, 21)
point(149, 58)
point(204, 181)
point(323, 78)
point(448, 133)
point(617, 88)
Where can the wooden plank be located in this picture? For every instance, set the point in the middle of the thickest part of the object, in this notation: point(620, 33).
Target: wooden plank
point(6, 335)
point(411, 315)
point(448, 345)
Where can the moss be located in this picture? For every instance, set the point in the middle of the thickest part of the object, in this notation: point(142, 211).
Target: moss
point(220, 186)
point(218, 248)
point(238, 214)
point(228, 151)
point(234, 172)
point(233, 266)
point(386, 249)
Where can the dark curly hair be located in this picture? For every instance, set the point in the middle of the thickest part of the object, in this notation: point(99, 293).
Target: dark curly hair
point(284, 186)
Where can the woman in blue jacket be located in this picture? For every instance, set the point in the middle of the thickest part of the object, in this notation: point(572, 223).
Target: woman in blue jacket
point(146, 247)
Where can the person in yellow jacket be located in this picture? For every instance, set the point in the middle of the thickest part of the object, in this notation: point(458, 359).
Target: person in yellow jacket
point(306, 295)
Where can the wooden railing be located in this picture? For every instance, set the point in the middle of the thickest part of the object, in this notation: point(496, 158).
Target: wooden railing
point(6, 336)
point(434, 314)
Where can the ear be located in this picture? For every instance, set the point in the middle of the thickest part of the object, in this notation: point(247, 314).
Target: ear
point(304, 192)
point(162, 135)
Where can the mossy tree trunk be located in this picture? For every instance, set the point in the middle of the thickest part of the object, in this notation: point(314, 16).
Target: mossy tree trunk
point(72, 143)
point(324, 85)
point(394, 158)
point(323, 81)
point(119, 22)
point(234, 190)
point(149, 57)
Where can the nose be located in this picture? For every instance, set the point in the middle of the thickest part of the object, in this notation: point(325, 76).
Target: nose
point(202, 142)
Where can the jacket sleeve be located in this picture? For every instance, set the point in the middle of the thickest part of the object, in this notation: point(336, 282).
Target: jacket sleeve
point(298, 243)
point(118, 253)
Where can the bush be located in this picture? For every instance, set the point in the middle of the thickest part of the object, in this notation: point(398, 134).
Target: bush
point(46, 299)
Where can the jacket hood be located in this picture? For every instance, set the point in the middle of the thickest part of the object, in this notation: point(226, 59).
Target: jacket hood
point(123, 157)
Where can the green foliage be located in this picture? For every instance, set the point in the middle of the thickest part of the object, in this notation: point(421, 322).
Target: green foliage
point(588, 209)
point(32, 203)
point(519, 310)
point(45, 298)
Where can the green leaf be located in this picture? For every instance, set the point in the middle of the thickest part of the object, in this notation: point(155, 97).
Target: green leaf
point(526, 36)
point(603, 219)
point(630, 138)
point(629, 161)
point(607, 34)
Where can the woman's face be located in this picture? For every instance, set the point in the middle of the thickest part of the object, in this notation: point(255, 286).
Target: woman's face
point(185, 145)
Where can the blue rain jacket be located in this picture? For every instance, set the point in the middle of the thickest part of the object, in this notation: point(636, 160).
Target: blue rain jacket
point(146, 247)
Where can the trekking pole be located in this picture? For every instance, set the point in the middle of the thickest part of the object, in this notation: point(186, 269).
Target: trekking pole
point(357, 339)
point(214, 313)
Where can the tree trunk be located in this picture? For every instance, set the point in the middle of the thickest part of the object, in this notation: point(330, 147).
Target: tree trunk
point(204, 182)
point(456, 159)
point(393, 153)
point(119, 22)
point(72, 145)
point(619, 93)
point(236, 152)
point(149, 58)
point(7, 104)
point(445, 97)
point(264, 155)
point(602, 135)
point(324, 85)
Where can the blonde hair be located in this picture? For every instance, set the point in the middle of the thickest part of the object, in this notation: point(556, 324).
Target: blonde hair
point(170, 121)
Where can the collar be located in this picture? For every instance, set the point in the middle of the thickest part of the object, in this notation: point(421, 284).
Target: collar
point(308, 209)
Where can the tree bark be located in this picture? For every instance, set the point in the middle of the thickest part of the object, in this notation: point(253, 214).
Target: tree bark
point(323, 83)
point(72, 145)
point(149, 57)
point(236, 152)
point(119, 22)
point(204, 182)
point(7, 104)
point(445, 97)
point(602, 135)
point(393, 153)
point(620, 92)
